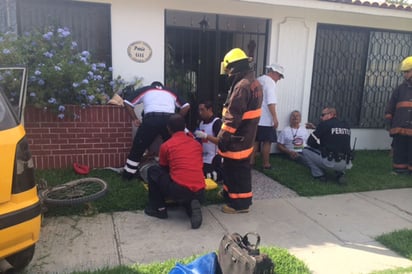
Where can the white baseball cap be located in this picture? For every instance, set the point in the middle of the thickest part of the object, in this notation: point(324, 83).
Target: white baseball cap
point(278, 68)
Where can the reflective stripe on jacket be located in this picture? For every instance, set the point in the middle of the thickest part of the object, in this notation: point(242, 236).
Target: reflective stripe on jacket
point(240, 116)
point(399, 110)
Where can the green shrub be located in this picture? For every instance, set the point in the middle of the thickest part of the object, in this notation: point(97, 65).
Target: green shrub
point(59, 73)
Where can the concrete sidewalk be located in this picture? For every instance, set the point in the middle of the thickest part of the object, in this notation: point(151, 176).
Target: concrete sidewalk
point(331, 234)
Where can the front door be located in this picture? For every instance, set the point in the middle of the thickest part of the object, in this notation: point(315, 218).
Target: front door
point(195, 44)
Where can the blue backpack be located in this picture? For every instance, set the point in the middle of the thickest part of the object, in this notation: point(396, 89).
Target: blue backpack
point(206, 264)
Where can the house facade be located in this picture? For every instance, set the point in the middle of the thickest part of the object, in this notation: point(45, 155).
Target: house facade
point(335, 53)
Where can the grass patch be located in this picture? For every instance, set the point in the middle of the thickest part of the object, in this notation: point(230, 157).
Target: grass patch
point(399, 241)
point(285, 263)
point(372, 170)
point(401, 270)
point(121, 195)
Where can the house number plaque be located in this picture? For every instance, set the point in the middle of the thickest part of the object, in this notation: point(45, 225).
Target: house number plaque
point(139, 51)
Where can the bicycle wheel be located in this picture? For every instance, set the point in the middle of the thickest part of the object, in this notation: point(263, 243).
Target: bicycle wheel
point(75, 192)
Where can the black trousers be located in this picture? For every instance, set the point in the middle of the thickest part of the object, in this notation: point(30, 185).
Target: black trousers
point(214, 170)
point(402, 153)
point(162, 187)
point(237, 183)
point(153, 124)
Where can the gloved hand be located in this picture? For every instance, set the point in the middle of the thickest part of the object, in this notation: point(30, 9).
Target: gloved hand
point(200, 134)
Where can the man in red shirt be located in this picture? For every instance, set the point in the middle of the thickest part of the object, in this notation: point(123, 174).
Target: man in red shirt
point(179, 175)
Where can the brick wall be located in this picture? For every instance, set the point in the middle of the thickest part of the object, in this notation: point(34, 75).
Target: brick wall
point(100, 136)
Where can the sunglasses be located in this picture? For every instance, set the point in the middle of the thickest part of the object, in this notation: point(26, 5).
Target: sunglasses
point(323, 114)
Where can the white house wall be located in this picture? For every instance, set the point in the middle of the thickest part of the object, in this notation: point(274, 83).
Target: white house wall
point(292, 41)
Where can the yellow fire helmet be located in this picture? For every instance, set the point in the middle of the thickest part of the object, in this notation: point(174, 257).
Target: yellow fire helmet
point(406, 64)
point(232, 56)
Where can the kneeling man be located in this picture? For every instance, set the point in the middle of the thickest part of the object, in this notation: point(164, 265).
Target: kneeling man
point(179, 175)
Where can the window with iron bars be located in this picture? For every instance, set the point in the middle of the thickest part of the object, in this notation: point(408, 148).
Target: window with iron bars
point(355, 70)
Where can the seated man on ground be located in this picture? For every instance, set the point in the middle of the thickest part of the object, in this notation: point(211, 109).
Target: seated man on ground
point(292, 139)
point(179, 175)
point(329, 147)
point(209, 127)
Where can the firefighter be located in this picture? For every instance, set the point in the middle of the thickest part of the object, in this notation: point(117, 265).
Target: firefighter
point(240, 117)
point(398, 115)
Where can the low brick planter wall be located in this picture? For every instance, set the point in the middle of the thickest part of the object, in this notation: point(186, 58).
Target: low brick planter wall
point(98, 136)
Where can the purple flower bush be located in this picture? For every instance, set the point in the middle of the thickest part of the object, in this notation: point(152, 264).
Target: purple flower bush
point(59, 72)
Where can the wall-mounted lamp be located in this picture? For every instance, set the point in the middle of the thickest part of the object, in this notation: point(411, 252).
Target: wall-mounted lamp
point(204, 24)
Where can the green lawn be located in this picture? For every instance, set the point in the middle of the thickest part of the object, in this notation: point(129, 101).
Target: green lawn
point(407, 270)
point(284, 264)
point(121, 195)
point(399, 241)
point(371, 171)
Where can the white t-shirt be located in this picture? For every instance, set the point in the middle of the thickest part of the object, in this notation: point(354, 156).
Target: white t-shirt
point(269, 97)
point(155, 99)
point(293, 138)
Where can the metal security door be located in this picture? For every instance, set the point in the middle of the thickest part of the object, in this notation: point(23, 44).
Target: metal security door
point(195, 44)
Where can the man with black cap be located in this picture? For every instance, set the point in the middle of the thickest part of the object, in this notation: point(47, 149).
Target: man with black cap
point(240, 117)
point(268, 122)
point(159, 103)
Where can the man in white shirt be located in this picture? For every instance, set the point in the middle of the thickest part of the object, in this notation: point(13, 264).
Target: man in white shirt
point(292, 139)
point(209, 127)
point(159, 103)
point(268, 123)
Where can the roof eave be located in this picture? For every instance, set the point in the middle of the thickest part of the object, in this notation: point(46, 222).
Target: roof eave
point(338, 6)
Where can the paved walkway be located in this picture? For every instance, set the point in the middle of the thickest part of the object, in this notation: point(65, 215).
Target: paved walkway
point(331, 234)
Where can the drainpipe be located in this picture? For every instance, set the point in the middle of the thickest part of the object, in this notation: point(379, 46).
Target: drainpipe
point(5, 267)
point(8, 21)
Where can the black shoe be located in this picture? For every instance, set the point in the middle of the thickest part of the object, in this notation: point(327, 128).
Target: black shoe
point(340, 178)
point(161, 214)
point(127, 176)
point(320, 178)
point(195, 214)
point(401, 171)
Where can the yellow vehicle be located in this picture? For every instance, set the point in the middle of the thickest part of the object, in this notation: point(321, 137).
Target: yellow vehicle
point(20, 209)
